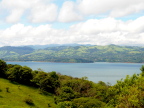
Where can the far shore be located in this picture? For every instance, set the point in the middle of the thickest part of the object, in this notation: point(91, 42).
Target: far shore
point(75, 62)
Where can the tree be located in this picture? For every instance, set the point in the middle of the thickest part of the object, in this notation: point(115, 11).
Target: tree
point(50, 83)
point(3, 68)
point(20, 74)
point(38, 76)
point(66, 93)
point(142, 70)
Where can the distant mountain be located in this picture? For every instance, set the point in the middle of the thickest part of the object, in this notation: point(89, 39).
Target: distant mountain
point(74, 53)
point(54, 45)
point(14, 53)
point(19, 50)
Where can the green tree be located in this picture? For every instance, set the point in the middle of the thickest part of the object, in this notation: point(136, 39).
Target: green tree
point(20, 74)
point(66, 93)
point(38, 76)
point(50, 83)
point(3, 68)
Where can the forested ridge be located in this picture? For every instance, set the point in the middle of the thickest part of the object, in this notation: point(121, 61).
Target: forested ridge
point(70, 92)
point(77, 54)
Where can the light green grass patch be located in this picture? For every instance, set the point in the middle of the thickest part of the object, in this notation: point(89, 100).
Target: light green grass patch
point(16, 94)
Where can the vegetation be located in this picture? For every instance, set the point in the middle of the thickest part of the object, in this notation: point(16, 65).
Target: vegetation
point(109, 53)
point(43, 90)
point(21, 96)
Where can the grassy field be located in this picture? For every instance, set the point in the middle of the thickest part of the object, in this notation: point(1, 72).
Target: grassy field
point(16, 96)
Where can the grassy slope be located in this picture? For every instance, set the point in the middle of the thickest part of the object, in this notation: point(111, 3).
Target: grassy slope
point(18, 93)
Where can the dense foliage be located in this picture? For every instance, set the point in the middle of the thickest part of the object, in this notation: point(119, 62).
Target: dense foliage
point(109, 53)
point(3, 68)
point(72, 92)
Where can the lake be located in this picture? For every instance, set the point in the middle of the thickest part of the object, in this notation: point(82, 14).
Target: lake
point(99, 71)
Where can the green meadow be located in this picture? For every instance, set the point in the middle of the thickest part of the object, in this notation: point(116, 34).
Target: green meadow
point(15, 96)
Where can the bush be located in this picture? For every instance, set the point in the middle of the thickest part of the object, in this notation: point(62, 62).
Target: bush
point(85, 102)
point(66, 104)
point(29, 101)
point(66, 93)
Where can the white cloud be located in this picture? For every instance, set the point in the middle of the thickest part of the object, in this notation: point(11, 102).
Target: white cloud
point(69, 13)
point(111, 31)
point(43, 13)
point(19, 34)
point(14, 16)
point(19, 4)
point(39, 11)
point(116, 8)
point(102, 31)
point(15, 9)
point(94, 26)
point(94, 31)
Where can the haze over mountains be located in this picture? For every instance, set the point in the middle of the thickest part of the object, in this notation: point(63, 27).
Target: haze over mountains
point(73, 53)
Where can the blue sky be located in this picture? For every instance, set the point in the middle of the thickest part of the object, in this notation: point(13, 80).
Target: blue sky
point(97, 22)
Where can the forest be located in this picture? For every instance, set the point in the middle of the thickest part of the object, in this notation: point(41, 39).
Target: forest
point(71, 92)
point(74, 54)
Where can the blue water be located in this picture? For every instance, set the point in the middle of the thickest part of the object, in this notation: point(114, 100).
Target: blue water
point(99, 71)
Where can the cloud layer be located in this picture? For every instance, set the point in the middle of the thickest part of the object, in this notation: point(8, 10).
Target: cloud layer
point(98, 22)
point(38, 11)
point(93, 31)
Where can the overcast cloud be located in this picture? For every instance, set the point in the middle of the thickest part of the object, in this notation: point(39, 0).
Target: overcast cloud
point(98, 22)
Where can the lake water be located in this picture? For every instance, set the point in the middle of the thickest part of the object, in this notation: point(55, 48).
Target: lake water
point(99, 71)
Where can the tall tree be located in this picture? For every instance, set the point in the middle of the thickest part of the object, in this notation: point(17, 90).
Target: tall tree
point(3, 68)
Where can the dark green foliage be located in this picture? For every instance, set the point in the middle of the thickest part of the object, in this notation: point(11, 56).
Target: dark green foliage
point(38, 76)
point(80, 87)
point(3, 68)
point(20, 74)
point(84, 102)
point(50, 83)
point(142, 69)
point(66, 93)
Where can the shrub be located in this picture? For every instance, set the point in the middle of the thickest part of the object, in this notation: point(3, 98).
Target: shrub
point(66, 104)
point(29, 101)
point(85, 102)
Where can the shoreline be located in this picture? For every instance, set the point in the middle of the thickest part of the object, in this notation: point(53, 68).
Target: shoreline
point(79, 62)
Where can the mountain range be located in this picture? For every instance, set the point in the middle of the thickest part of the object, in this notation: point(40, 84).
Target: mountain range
point(73, 53)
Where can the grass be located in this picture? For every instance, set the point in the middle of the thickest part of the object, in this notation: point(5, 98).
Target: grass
point(16, 96)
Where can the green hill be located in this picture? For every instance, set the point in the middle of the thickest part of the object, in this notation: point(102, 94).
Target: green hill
point(16, 96)
point(109, 53)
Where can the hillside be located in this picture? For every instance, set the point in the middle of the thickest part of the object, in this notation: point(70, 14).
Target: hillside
point(61, 91)
point(80, 53)
point(16, 96)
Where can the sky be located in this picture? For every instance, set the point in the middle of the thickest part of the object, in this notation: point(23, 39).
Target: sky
point(96, 22)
